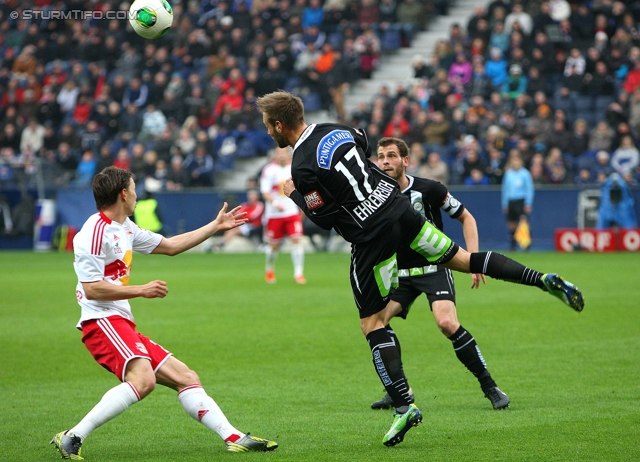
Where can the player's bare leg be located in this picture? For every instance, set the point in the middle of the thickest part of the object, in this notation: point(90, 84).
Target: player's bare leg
point(271, 253)
point(139, 382)
point(297, 258)
point(202, 408)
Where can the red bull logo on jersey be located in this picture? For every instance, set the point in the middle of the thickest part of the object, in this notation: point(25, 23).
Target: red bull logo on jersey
point(141, 348)
point(329, 144)
point(120, 269)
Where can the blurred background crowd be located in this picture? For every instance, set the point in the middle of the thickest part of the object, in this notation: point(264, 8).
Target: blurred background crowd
point(556, 83)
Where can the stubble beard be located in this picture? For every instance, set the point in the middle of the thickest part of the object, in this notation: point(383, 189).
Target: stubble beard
point(282, 141)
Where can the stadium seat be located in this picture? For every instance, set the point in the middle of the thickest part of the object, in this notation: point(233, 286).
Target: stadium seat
point(311, 102)
point(564, 104)
point(587, 159)
point(601, 103)
point(569, 162)
point(582, 106)
point(390, 40)
point(335, 39)
point(246, 147)
point(224, 163)
point(292, 83)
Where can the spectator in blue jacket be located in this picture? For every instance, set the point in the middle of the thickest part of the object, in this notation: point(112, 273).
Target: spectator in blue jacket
point(496, 68)
point(616, 208)
point(313, 14)
point(86, 169)
point(199, 165)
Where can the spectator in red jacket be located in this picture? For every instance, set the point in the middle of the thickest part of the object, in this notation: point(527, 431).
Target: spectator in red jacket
point(235, 80)
point(632, 80)
point(232, 98)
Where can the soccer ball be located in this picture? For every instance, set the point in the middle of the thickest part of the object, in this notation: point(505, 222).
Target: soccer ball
point(150, 18)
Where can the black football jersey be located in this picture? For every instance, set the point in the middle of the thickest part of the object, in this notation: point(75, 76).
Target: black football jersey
point(337, 186)
point(428, 197)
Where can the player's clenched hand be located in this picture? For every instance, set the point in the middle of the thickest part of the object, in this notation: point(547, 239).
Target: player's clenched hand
point(227, 220)
point(155, 289)
point(475, 280)
point(288, 187)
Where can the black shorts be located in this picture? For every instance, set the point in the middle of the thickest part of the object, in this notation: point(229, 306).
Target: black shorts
point(436, 286)
point(374, 271)
point(374, 267)
point(515, 210)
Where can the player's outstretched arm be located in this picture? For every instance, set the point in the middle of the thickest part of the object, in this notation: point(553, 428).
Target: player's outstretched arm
point(224, 221)
point(101, 290)
point(470, 232)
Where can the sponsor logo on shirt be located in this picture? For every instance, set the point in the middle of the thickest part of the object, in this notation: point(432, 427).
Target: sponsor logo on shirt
point(116, 238)
point(313, 200)
point(329, 144)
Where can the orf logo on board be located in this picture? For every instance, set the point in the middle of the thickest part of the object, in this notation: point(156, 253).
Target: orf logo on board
point(329, 144)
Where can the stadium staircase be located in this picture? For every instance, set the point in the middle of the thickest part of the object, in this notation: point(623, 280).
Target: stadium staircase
point(397, 67)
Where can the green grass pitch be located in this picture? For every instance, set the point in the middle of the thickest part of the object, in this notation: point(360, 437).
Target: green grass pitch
point(289, 363)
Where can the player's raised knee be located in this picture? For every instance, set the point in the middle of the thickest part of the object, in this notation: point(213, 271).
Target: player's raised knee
point(190, 378)
point(144, 384)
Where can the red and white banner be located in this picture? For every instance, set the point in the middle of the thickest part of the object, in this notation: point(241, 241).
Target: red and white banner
point(597, 240)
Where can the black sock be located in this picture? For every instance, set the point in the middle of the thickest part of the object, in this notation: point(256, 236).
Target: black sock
point(498, 266)
point(386, 359)
point(469, 354)
point(394, 337)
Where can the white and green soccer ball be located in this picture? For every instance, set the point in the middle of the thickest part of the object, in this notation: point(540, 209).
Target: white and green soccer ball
point(150, 18)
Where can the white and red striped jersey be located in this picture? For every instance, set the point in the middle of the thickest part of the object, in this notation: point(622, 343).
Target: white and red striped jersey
point(272, 181)
point(104, 252)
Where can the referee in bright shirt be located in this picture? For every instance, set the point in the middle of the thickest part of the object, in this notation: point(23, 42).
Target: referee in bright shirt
point(517, 193)
point(103, 251)
point(418, 276)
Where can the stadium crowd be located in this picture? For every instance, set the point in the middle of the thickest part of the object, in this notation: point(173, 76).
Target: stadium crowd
point(556, 82)
point(553, 82)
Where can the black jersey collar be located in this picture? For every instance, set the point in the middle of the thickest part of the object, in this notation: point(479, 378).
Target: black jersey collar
point(305, 134)
point(410, 183)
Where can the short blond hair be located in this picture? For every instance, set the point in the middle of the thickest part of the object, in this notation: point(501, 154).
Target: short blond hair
point(282, 106)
